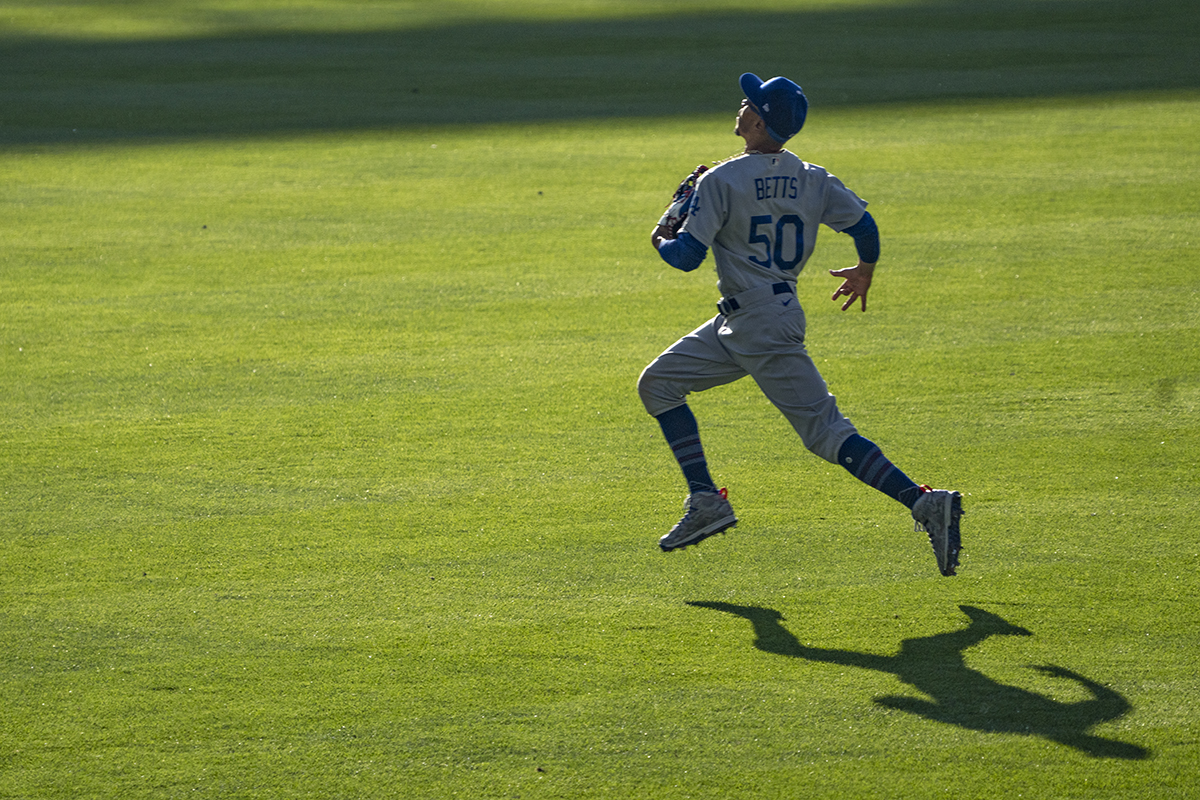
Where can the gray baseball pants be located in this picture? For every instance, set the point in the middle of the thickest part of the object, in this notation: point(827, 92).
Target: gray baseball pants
point(759, 333)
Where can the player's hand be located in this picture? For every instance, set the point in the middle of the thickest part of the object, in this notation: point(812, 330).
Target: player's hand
point(660, 234)
point(856, 281)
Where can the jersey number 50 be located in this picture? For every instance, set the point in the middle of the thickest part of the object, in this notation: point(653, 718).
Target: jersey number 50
point(788, 229)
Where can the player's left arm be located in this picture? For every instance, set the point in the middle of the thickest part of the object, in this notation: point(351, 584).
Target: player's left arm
point(684, 252)
point(856, 280)
point(685, 245)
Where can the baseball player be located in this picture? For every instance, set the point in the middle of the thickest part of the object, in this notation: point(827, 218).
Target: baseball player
point(758, 212)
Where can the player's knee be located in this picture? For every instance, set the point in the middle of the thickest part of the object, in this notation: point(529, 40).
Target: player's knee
point(657, 394)
point(822, 428)
point(826, 443)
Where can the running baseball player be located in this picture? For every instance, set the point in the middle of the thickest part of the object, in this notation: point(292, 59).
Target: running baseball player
point(758, 212)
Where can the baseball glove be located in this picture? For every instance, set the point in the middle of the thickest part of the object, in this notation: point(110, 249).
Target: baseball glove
point(677, 212)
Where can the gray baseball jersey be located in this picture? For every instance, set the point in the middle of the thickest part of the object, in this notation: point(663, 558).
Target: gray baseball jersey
point(759, 213)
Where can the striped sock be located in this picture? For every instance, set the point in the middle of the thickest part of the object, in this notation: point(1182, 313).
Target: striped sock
point(863, 459)
point(683, 435)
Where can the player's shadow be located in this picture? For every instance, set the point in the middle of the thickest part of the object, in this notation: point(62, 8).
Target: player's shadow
point(959, 694)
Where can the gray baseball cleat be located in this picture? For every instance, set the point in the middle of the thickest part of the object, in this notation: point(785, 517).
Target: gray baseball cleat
point(936, 512)
point(705, 514)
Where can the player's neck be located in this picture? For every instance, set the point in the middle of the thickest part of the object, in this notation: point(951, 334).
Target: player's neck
point(761, 145)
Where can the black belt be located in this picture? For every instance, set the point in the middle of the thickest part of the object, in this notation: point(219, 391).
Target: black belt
point(731, 304)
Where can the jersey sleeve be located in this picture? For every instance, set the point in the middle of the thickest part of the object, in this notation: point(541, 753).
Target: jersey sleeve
point(843, 208)
point(708, 211)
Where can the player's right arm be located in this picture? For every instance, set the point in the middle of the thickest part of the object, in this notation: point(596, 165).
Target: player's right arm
point(856, 280)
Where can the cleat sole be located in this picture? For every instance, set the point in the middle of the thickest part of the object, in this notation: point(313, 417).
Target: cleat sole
point(698, 539)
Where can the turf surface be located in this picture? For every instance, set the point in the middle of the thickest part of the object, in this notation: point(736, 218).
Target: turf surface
point(323, 473)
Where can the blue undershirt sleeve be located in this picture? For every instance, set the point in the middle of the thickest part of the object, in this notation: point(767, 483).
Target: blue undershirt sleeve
point(866, 238)
point(683, 253)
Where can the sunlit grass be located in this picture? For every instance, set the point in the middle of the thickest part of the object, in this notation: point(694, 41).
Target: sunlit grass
point(324, 473)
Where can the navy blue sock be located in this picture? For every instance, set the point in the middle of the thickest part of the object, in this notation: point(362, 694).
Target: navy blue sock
point(863, 459)
point(683, 435)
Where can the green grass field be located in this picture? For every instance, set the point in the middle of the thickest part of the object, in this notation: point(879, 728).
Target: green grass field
point(322, 470)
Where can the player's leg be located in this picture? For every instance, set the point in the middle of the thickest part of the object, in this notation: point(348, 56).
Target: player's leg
point(769, 344)
point(863, 459)
point(936, 511)
point(694, 363)
point(682, 433)
point(791, 381)
point(774, 353)
point(772, 348)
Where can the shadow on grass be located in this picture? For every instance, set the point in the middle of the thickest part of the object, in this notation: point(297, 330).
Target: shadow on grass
point(256, 82)
point(960, 695)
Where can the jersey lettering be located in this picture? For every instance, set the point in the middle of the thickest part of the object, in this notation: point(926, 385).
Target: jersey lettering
point(779, 186)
